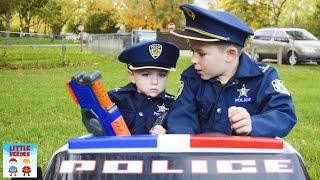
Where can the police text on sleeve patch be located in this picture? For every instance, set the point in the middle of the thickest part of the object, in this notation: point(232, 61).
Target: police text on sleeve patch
point(279, 87)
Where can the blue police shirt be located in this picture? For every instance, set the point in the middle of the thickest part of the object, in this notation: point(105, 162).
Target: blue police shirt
point(202, 106)
point(139, 110)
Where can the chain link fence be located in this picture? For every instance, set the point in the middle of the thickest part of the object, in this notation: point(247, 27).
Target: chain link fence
point(110, 44)
point(18, 48)
point(32, 49)
point(114, 43)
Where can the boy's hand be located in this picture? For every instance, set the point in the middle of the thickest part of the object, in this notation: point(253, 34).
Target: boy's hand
point(158, 129)
point(240, 120)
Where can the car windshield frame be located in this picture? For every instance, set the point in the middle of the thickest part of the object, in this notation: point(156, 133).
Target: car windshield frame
point(300, 34)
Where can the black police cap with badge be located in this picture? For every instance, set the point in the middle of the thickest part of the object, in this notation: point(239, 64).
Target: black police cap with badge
point(151, 54)
point(209, 25)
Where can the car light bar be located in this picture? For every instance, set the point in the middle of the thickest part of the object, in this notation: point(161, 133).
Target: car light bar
point(176, 143)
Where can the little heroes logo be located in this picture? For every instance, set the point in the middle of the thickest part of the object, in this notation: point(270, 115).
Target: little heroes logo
point(19, 160)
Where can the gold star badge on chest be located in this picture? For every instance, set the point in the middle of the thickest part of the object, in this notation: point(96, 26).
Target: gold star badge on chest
point(162, 108)
point(243, 91)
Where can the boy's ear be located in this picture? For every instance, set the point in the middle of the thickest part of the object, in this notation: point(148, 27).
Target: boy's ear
point(231, 53)
point(131, 77)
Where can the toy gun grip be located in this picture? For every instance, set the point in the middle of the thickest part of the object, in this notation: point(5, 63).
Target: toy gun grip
point(118, 125)
point(101, 94)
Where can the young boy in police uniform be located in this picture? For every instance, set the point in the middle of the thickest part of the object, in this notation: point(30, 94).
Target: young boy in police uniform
point(224, 91)
point(144, 98)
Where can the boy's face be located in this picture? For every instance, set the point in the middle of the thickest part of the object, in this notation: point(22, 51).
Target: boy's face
point(209, 60)
point(150, 82)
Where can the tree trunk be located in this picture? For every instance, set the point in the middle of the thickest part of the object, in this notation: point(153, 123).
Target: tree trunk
point(8, 22)
point(28, 21)
point(21, 24)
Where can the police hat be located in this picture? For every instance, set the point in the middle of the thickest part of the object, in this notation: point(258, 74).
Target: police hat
point(151, 54)
point(209, 25)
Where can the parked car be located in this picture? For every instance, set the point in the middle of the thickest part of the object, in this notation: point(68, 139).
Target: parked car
point(70, 36)
point(298, 45)
point(143, 35)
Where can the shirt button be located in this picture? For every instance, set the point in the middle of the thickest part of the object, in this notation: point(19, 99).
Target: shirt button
point(219, 110)
point(149, 98)
point(233, 82)
point(140, 113)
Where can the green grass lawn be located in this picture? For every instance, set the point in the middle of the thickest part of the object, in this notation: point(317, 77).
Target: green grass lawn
point(45, 57)
point(36, 107)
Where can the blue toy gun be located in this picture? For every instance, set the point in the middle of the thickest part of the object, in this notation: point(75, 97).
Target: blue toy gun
point(99, 115)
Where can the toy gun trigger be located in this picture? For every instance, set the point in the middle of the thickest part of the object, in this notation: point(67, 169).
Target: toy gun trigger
point(92, 123)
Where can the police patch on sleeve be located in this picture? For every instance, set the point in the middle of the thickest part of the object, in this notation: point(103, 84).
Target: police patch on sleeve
point(180, 89)
point(279, 87)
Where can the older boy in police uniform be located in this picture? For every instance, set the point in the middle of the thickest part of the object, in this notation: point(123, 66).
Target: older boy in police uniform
point(224, 91)
point(143, 100)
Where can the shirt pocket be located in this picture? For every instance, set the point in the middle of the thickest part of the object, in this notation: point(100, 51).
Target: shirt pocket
point(204, 111)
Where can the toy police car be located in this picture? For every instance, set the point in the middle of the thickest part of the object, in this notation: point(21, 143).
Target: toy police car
point(176, 156)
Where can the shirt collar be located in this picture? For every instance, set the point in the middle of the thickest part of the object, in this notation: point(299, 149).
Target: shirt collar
point(247, 67)
point(129, 87)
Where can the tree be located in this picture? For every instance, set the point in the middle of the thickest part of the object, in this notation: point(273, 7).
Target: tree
point(169, 11)
point(135, 14)
point(56, 13)
point(315, 19)
point(101, 22)
point(83, 9)
point(303, 14)
point(101, 18)
point(150, 14)
point(275, 8)
point(5, 12)
point(256, 13)
point(27, 9)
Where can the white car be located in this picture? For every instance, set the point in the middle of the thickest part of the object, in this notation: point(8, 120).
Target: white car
point(298, 45)
point(144, 35)
point(70, 36)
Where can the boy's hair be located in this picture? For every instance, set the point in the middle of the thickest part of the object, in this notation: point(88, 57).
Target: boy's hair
point(13, 159)
point(26, 160)
point(223, 45)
